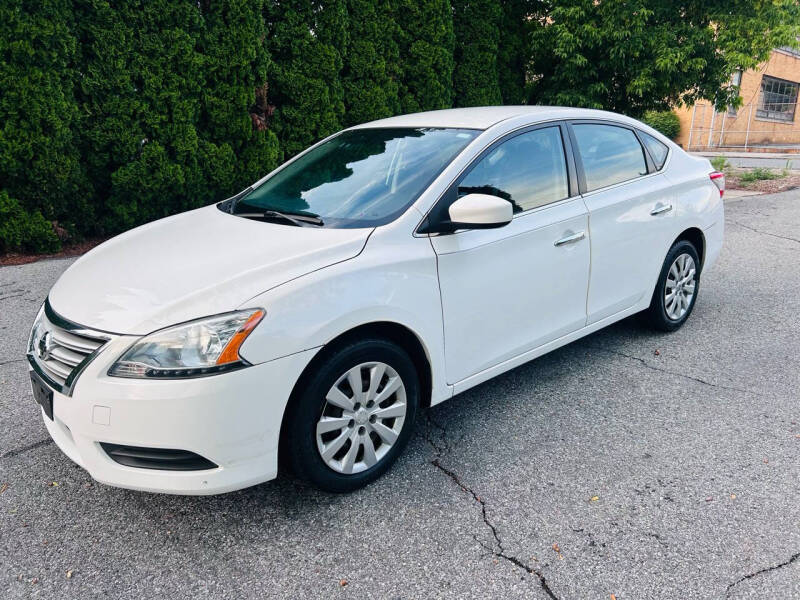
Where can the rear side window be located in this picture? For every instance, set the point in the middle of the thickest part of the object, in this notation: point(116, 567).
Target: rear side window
point(658, 151)
point(528, 170)
point(609, 154)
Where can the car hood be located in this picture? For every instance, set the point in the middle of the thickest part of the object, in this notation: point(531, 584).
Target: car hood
point(191, 265)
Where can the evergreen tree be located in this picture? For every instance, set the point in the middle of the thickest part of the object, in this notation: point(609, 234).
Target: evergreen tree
point(234, 123)
point(514, 50)
point(370, 88)
point(40, 173)
point(425, 41)
point(477, 35)
point(306, 40)
point(116, 113)
point(141, 90)
point(170, 97)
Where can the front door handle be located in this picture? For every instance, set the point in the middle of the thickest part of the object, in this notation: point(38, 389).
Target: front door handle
point(570, 239)
point(661, 208)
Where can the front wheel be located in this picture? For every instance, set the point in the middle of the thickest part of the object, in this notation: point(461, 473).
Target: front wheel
point(677, 287)
point(353, 415)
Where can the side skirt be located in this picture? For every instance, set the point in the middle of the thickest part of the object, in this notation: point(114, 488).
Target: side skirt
point(512, 363)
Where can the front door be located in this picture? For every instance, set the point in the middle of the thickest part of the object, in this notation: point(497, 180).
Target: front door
point(509, 290)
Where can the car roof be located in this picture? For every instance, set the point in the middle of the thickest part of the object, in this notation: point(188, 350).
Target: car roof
point(484, 117)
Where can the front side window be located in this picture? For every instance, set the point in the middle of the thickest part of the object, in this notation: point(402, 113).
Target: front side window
point(777, 100)
point(529, 170)
point(610, 154)
point(658, 150)
point(360, 178)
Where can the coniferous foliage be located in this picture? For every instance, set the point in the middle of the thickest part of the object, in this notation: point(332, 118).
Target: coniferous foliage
point(117, 112)
point(108, 93)
point(513, 53)
point(40, 174)
point(476, 81)
point(167, 91)
point(306, 40)
point(370, 66)
point(235, 107)
point(160, 171)
point(425, 41)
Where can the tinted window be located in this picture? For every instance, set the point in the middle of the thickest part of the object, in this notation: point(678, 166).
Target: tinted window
point(610, 154)
point(528, 170)
point(658, 151)
point(360, 178)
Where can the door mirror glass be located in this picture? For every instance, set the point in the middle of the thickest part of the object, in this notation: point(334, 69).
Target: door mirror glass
point(480, 211)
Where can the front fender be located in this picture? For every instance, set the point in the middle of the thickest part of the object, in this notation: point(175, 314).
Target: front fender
point(386, 282)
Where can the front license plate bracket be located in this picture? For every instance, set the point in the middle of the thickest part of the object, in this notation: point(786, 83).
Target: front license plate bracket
point(42, 394)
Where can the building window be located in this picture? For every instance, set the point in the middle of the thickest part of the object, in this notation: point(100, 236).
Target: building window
point(778, 99)
point(736, 80)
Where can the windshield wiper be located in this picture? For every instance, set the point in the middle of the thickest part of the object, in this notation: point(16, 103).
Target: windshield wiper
point(298, 219)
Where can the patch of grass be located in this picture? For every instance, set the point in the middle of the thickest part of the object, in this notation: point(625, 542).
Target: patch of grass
point(720, 163)
point(759, 174)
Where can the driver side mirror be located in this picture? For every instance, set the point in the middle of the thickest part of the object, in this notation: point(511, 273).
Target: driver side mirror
point(479, 211)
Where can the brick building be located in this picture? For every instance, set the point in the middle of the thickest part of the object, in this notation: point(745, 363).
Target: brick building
point(767, 120)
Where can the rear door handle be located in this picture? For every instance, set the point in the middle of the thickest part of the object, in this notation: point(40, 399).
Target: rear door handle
point(661, 208)
point(570, 239)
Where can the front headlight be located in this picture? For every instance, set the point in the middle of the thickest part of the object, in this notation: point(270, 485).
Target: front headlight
point(34, 334)
point(203, 347)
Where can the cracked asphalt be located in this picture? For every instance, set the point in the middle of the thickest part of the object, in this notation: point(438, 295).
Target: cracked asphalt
point(629, 463)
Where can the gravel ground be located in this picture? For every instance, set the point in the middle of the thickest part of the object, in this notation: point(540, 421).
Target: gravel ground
point(626, 465)
point(785, 181)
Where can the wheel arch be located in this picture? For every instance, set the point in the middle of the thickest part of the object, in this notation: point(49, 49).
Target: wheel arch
point(392, 331)
point(695, 236)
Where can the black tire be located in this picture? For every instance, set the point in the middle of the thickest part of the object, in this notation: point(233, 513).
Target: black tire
point(656, 314)
point(308, 403)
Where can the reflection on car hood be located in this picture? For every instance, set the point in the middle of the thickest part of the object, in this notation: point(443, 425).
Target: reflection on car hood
point(191, 265)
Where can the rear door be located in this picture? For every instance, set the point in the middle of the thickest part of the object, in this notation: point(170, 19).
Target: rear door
point(630, 214)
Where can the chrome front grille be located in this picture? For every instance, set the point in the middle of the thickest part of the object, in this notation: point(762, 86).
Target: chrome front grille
point(59, 350)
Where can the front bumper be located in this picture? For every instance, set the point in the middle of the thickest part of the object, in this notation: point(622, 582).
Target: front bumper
point(232, 419)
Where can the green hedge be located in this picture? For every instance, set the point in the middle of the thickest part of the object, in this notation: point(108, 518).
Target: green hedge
point(23, 230)
point(117, 112)
point(41, 177)
point(666, 122)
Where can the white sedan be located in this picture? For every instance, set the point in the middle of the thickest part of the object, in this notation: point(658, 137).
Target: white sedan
point(384, 270)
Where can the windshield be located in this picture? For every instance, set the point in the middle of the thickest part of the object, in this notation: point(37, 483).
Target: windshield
point(360, 178)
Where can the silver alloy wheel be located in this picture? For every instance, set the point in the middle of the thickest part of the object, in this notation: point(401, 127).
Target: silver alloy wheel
point(680, 286)
point(362, 417)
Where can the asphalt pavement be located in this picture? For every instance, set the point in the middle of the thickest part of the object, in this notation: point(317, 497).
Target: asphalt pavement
point(757, 158)
point(627, 465)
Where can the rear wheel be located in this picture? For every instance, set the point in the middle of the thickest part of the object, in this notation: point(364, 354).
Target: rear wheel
point(353, 416)
point(676, 291)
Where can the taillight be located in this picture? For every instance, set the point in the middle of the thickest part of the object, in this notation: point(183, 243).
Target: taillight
point(719, 181)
